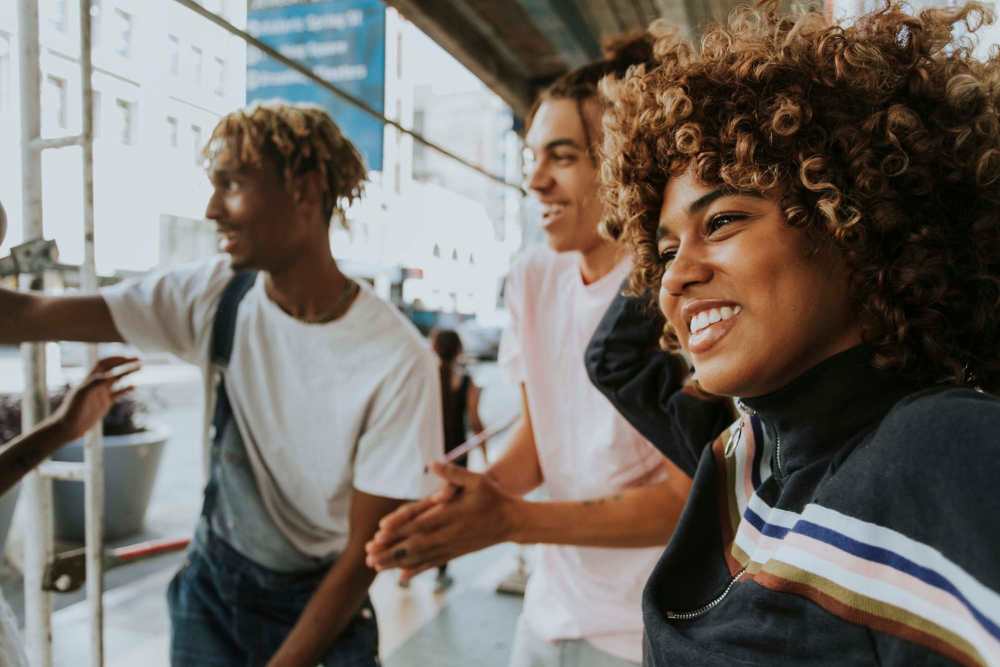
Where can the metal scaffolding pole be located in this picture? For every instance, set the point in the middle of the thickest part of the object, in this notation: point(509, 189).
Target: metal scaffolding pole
point(37, 489)
point(39, 548)
point(93, 452)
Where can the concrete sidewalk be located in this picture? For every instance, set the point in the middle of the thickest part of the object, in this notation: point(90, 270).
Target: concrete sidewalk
point(414, 631)
point(470, 624)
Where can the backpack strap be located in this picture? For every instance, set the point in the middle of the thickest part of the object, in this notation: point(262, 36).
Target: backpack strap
point(224, 327)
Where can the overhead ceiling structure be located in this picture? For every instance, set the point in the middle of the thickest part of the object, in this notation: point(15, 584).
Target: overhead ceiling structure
point(517, 46)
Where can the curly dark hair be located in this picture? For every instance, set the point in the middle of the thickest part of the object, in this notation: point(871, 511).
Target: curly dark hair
point(296, 138)
point(880, 139)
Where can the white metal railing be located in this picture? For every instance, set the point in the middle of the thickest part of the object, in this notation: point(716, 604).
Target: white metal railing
point(39, 550)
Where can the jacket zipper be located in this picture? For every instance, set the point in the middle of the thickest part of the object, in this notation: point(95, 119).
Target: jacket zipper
point(704, 609)
point(777, 439)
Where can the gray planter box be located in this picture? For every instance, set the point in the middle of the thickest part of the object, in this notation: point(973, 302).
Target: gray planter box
point(130, 466)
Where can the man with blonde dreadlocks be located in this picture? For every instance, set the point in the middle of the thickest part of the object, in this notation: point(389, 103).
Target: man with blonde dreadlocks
point(323, 414)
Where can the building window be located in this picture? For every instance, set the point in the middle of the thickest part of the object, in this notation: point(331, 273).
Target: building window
point(126, 119)
point(173, 129)
point(197, 64)
point(5, 89)
point(57, 14)
point(220, 76)
point(174, 54)
point(54, 100)
point(196, 143)
point(123, 33)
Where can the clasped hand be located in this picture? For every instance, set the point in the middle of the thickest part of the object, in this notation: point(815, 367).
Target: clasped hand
point(470, 513)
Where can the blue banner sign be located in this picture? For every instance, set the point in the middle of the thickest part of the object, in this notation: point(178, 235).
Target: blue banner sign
point(343, 41)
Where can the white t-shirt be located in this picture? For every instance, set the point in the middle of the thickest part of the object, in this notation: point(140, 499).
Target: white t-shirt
point(322, 408)
point(585, 448)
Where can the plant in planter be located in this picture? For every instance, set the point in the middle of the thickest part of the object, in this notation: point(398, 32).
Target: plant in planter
point(132, 451)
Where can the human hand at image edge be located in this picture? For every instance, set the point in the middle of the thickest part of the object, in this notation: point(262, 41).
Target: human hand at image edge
point(88, 402)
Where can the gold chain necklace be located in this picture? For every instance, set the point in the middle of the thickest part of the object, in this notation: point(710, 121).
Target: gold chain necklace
point(346, 294)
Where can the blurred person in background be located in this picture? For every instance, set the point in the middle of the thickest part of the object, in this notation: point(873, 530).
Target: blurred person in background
point(460, 411)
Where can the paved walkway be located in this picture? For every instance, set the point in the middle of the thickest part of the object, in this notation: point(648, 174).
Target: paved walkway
point(469, 625)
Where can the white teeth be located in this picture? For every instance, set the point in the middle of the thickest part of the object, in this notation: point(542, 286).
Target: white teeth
point(708, 317)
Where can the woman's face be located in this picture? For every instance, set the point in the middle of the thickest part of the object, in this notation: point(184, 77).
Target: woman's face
point(750, 300)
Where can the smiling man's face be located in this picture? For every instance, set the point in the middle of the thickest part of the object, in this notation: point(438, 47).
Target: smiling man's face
point(751, 301)
point(563, 177)
point(256, 215)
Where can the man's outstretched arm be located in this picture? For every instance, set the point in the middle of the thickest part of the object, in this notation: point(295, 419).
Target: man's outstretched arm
point(26, 317)
point(342, 591)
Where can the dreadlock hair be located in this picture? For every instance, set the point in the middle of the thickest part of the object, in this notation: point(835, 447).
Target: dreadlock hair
point(297, 139)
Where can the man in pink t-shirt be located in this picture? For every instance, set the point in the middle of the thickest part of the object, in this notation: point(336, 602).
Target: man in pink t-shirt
point(614, 500)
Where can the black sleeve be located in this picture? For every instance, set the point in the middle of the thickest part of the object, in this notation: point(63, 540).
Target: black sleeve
point(928, 478)
point(646, 384)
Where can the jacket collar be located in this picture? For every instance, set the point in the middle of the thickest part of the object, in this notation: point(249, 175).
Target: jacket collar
point(817, 412)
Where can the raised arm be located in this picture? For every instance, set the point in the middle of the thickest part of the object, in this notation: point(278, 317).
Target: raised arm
point(647, 385)
point(26, 317)
point(80, 411)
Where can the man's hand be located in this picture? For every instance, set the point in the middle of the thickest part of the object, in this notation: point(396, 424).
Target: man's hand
point(469, 514)
point(87, 403)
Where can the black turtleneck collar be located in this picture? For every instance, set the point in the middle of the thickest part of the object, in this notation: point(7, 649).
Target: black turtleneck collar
point(818, 411)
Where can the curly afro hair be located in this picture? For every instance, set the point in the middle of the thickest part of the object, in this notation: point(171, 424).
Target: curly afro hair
point(880, 139)
point(297, 139)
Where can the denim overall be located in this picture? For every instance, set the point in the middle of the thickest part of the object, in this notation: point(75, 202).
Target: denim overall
point(244, 585)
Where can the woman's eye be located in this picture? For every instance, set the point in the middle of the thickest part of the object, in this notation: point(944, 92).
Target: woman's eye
point(719, 221)
point(667, 255)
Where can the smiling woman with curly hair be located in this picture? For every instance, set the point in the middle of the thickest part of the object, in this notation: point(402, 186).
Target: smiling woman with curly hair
point(818, 206)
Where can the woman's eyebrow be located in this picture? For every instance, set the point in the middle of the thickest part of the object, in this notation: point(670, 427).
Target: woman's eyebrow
point(556, 143)
point(706, 199)
point(662, 232)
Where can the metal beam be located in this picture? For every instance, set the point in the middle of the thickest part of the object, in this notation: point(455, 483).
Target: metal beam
point(342, 94)
point(564, 26)
point(452, 31)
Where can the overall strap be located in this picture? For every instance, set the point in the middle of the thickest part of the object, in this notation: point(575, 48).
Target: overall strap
point(223, 333)
point(224, 328)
